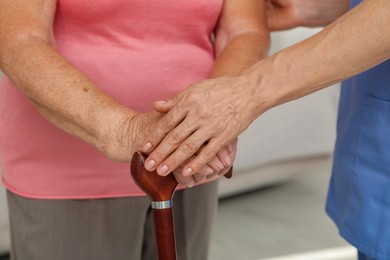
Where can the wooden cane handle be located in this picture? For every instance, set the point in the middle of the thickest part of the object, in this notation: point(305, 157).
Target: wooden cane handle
point(229, 174)
point(158, 188)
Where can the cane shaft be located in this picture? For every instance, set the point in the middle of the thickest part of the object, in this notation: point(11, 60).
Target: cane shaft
point(165, 235)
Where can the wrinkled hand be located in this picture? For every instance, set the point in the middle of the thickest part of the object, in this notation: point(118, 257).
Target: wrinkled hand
point(129, 134)
point(287, 14)
point(203, 119)
point(211, 171)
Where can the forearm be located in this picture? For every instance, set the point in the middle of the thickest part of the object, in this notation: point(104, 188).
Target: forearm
point(240, 53)
point(64, 95)
point(67, 125)
point(357, 41)
point(242, 37)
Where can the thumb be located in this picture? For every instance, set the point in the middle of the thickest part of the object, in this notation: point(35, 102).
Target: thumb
point(163, 106)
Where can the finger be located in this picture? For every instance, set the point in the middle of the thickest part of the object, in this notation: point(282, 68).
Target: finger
point(163, 106)
point(224, 171)
point(169, 144)
point(187, 181)
point(199, 178)
point(232, 148)
point(164, 126)
point(216, 164)
point(224, 156)
point(212, 176)
point(204, 156)
point(207, 170)
point(186, 149)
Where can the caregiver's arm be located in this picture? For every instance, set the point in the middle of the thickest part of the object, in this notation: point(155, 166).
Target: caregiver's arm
point(357, 41)
point(62, 93)
point(241, 39)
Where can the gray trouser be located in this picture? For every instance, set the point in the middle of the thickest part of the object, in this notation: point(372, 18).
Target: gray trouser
point(108, 229)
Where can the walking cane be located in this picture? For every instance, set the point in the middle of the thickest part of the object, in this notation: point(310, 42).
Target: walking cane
point(160, 191)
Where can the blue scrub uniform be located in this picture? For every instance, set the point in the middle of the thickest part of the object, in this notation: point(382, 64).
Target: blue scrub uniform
point(359, 193)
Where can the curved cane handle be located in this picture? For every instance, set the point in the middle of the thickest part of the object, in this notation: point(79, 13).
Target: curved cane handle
point(157, 188)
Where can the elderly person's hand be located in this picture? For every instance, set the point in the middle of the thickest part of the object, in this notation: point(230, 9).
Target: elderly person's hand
point(204, 173)
point(126, 135)
point(287, 14)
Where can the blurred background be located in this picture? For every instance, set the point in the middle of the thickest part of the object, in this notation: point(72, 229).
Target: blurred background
point(273, 207)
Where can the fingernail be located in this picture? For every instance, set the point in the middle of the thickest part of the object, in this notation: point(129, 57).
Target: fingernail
point(190, 185)
point(161, 102)
point(220, 165)
point(209, 170)
point(228, 161)
point(187, 172)
point(147, 147)
point(162, 170)
point(149, 165)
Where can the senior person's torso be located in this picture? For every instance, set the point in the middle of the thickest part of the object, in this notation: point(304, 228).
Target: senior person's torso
point(135, 51)
point(359, 195)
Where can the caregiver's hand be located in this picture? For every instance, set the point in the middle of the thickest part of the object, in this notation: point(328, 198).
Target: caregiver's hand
point(287, 14)
point(206, 117)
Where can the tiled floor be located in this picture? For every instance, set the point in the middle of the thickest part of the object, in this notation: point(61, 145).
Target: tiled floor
point(338, 253)
point(279, 221)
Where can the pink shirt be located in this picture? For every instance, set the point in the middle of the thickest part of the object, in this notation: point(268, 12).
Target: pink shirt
point(136, 51)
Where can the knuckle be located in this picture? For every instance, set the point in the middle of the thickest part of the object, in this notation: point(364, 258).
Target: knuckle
point(189, 147)
point(176, 99)
point(204, 110)
point(223, 152)
point(207, 154)
point(175, 139)
point(166, 124)
point(196, 165)
point(171, 162)
point(157, 154)
point(192, 97)
point(188, 125)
